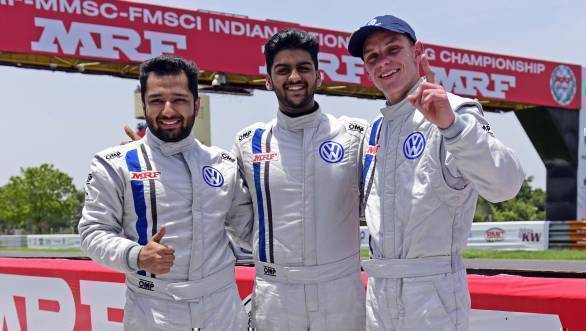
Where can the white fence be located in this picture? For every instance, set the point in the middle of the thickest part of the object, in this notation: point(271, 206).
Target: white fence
point(532, 235)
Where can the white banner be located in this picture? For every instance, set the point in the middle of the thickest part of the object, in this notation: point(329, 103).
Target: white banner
point(53, 241)
point(530, 235)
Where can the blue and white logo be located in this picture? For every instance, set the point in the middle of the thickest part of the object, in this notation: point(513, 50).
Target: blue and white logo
point(562, 84)
point(212, 177)
point(331, 151)
point(414, 145)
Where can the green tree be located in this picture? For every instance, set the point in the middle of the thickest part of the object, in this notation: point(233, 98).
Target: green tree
point(528, 205)
point(40, 200)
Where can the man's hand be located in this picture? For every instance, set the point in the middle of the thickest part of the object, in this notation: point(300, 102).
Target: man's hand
point(431, 99)
point(156, 258)
point(131, 134)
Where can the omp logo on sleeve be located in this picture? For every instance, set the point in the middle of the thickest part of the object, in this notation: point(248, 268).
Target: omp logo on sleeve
point(145, 175)
point(563, 85)
point(414, 145)
point(113, 155)
point(245, 135)
point(212, 177)
point(331, 151)
point(261, 157)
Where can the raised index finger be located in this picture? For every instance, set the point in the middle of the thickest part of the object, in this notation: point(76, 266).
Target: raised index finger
point(429, 74)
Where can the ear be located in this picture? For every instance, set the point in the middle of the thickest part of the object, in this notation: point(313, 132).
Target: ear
point(196, 107)
point(269, 83)
point(418, 48)
point(318, 79)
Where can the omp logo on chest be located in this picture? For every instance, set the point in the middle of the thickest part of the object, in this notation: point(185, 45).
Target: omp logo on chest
point(262, 157)
point(146, 285)
point(145, 175)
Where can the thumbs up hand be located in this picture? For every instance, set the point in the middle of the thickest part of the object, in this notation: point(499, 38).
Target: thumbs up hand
point(431, 99)
point(156, 258)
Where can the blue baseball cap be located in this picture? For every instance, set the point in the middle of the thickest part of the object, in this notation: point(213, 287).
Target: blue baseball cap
point(385, 22)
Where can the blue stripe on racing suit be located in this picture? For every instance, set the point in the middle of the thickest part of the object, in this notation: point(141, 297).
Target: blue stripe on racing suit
point(138, 197)
point(368, 157)
point(256, 149)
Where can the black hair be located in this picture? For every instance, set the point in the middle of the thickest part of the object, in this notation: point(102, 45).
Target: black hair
point(290, 38)
point(168, 65)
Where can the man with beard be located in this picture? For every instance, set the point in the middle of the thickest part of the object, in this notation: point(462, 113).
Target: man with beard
point(156, 209)
point(302, 170)
point(426, 159)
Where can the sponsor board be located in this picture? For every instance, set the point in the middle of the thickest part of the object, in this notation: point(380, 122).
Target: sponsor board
point(130, 32)
point(78, 295)
point(530, 235)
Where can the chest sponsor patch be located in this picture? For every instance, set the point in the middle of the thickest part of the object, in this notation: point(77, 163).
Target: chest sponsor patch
point(331, 151)
point(372, 149)
point(263, 157)
point(212, 176)
point(414, 145)
point(145, 175)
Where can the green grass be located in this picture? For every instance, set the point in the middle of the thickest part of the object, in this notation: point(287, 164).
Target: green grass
point(551, 254)
point(40, 250)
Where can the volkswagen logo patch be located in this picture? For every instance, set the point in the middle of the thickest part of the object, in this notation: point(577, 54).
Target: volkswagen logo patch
point(331, 151)
point(414, 145)
point(212, 177)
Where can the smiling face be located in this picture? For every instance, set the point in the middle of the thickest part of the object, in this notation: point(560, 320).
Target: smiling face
point(170, 108)
point(294, 79)
point(391, 62)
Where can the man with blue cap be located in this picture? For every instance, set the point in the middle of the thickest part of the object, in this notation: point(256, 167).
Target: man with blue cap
point(426, 159)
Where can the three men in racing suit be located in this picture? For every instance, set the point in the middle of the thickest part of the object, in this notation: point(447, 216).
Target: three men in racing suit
point(425, 161)
point(302, 170)
point(156, 209)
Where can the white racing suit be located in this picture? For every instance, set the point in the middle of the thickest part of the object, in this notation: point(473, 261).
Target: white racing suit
point(303, 177)
point(195, 192)
point(421, 185)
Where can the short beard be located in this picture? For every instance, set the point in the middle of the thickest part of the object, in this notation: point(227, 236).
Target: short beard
point(171, 137)
point(303, 105)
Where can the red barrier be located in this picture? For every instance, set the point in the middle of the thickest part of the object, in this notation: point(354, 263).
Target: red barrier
point(563, 297)
point(81, 295)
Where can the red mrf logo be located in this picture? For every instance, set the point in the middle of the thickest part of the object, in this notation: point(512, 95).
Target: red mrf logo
point(145, 175)
point(260, 157)
point(373, 149)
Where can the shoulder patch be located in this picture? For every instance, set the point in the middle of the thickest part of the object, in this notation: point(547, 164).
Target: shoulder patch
point(245, 135)
point(227, 157)
point(113, 155)
point(358, 127)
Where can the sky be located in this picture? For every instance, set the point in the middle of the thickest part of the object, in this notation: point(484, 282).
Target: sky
point(64, 118)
